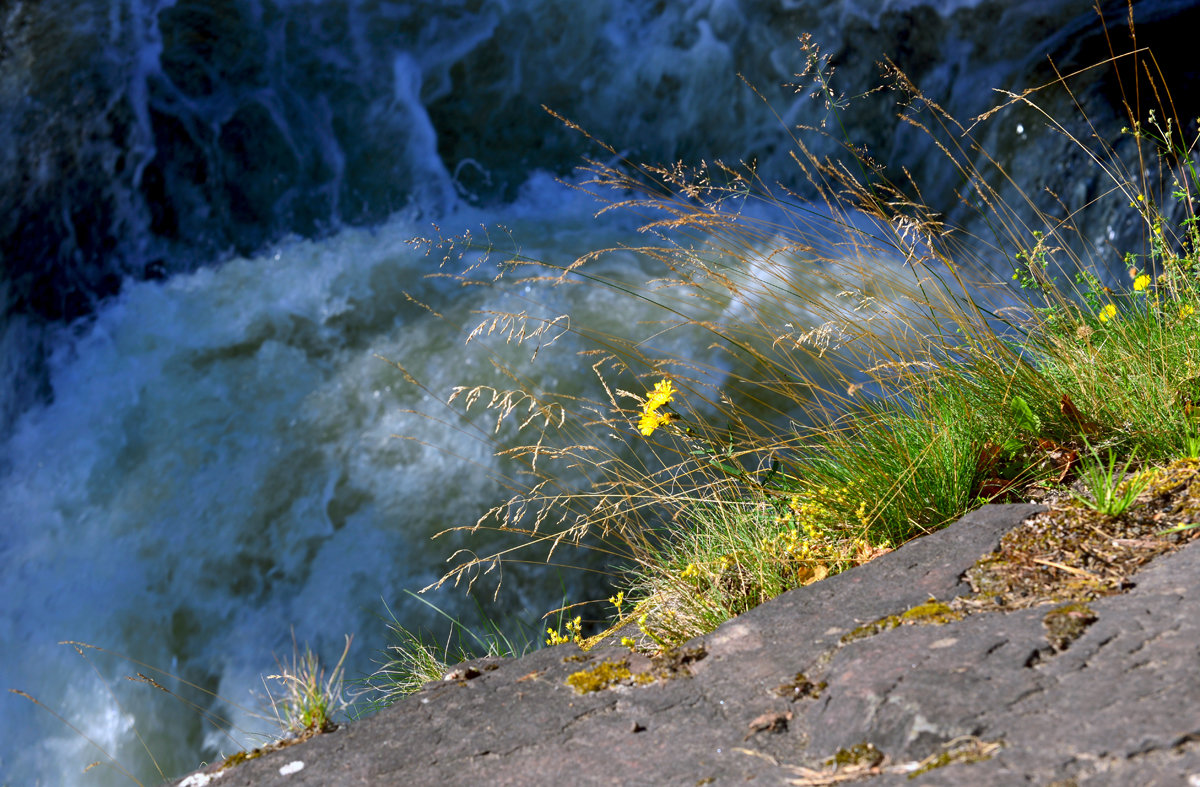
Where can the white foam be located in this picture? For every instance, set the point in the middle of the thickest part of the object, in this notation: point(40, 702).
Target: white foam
point(219, 465)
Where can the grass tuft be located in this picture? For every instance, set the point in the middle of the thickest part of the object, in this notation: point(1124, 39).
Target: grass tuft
point(874, 367)
point(309, 698)
point(414, 659)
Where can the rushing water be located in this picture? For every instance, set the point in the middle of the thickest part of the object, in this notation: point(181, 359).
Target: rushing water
point(206, 209)
point(214, 472)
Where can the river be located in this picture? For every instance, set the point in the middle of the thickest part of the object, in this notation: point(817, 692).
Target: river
point(207, 215)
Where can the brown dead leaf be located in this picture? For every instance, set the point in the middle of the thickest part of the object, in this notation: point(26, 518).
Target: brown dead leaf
point(1084, 425)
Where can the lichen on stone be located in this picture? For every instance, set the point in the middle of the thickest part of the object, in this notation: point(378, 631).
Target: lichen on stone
point(602, 676)
point(931, 613)
point(861, 754)
point(676, 662)
point(961, 750)
point(800, 687)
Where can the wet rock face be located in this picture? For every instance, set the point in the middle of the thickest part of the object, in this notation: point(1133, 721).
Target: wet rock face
point(987, 698)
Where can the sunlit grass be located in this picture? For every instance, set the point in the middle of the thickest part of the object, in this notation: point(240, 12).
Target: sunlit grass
point(307, 695)
point(413, 658)
point(871, 373)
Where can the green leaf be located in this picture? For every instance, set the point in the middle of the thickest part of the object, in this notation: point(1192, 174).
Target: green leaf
point(1026, 420)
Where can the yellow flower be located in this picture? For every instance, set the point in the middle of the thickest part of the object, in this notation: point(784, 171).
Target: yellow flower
point(1187, 311)
point(663, 393)
point(1141, 282)
point(651, 418)
point(690, 571)
point(651, 421)
point(1108, 312)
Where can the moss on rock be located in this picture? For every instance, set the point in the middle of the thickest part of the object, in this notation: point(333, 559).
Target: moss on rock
point(931, 613)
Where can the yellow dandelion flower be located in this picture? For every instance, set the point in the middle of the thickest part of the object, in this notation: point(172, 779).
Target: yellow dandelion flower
point(652, 420)
point(1141, 282)
point(1107, 313)
point(662, 394)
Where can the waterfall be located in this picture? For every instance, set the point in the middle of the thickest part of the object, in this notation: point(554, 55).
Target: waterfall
point(205, 208)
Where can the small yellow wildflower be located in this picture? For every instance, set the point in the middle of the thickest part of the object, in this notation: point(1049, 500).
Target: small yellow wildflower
point(1107, 313)
point(662, 394)
point(690, 571)
point(554, 638)
point(1141, 282)
point(652, 420)
point(617, 600)
point(629, 642)
point(1187, 311)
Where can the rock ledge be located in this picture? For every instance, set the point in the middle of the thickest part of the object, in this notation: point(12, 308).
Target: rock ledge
point(1096, 693)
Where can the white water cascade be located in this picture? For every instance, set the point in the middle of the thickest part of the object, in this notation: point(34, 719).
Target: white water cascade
point(205, 215)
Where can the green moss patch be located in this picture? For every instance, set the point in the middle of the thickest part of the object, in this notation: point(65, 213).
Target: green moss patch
point(604, 675)
point(863, 755)
point(965, 750)
point(931, 613)
point(234, 760)
point(670, 664)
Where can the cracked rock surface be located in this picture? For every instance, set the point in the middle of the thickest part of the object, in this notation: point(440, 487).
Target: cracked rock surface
point(776, 696)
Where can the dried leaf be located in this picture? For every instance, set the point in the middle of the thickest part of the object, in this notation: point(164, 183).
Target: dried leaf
point(1084, 425)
